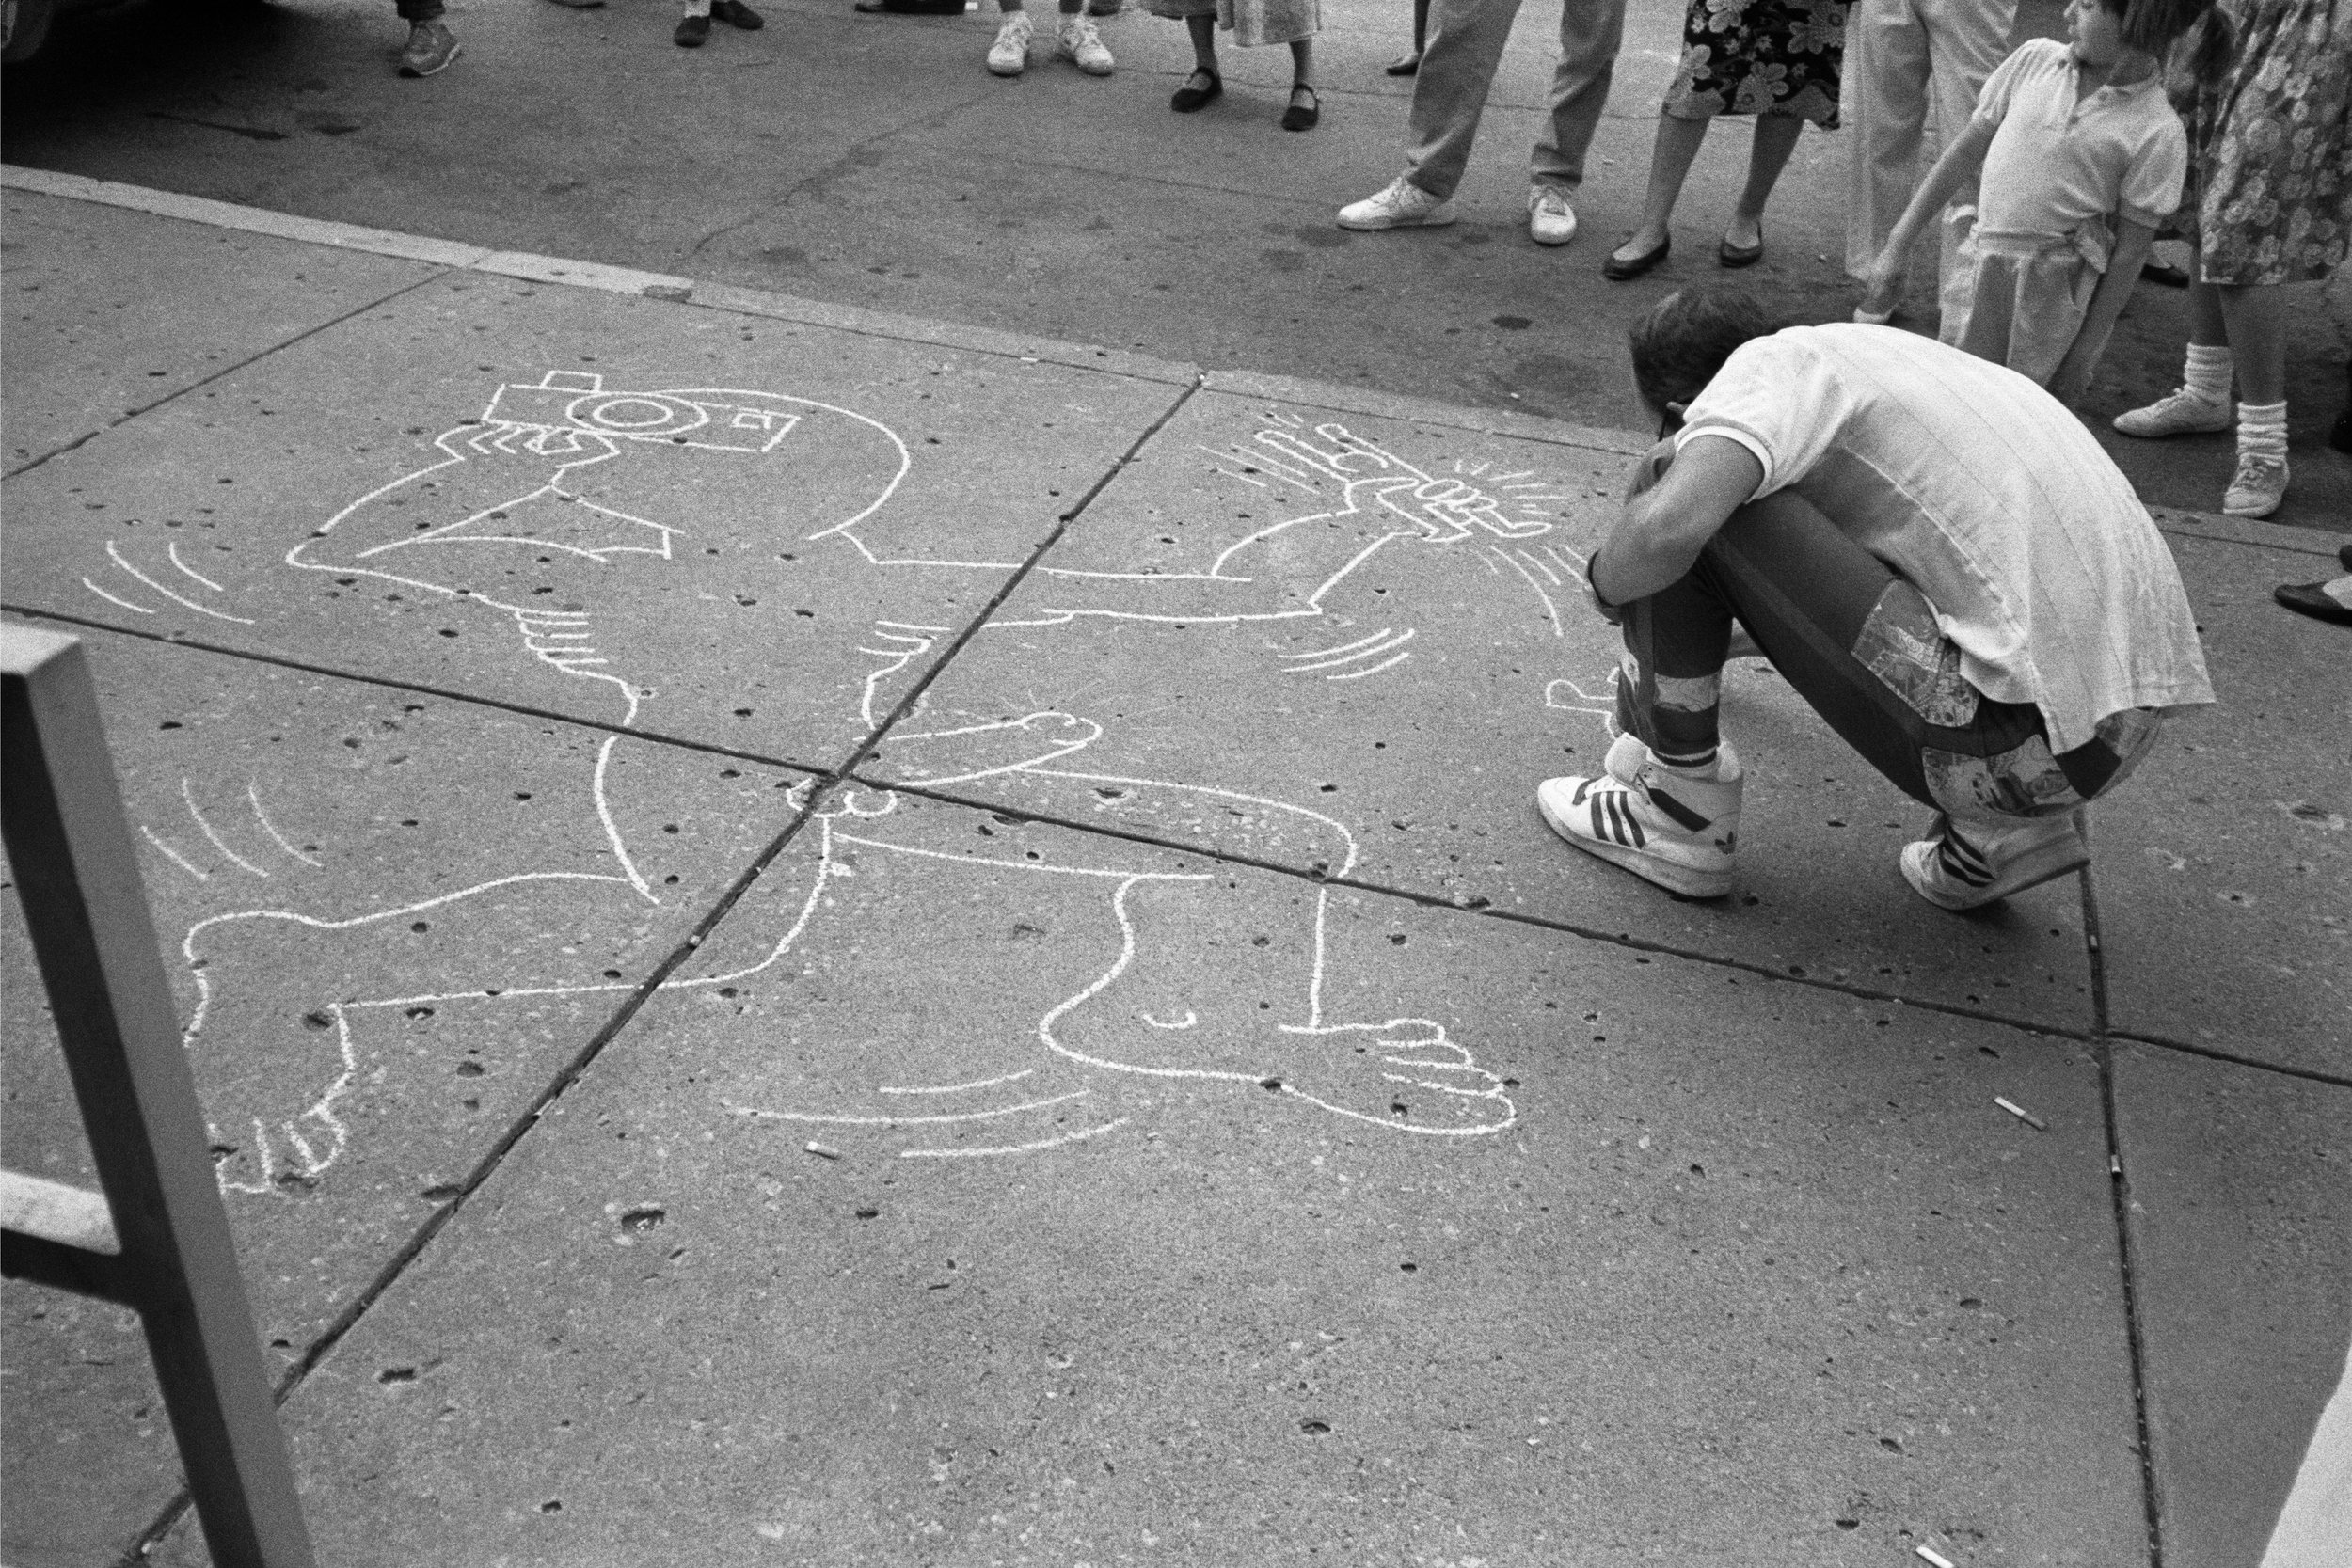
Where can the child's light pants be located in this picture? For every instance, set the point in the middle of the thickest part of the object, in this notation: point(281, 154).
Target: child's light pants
point(2029, 294)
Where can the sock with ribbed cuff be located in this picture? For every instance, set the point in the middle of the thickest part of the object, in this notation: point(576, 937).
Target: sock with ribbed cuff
point(2262, 430)
point(2206, 374)
point(1699, 768)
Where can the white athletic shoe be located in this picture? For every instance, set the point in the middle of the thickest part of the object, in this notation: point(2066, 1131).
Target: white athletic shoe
point(1399, 204)
point(2260, 485)
point(2180, 413)
point(1549, 218)
point(1009, 55)
point(1081, 44)
point(1680, 834)
point(1956, 873)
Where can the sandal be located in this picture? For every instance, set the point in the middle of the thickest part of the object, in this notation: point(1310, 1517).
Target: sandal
point(1302, 116)
point(1186, 99)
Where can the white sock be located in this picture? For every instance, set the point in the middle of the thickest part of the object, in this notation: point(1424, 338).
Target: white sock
point(2207, 374)
point(2262, 430)
point(698, 8)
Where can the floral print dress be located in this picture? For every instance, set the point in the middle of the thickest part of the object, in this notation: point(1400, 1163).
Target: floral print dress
point(1761, 57)
point(2269, 196)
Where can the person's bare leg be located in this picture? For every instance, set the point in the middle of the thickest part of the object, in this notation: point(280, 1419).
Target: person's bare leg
point(1204, 31)
point(2254, 319)
point(1670, 161)
point(1405, 65)
point(1775, 139)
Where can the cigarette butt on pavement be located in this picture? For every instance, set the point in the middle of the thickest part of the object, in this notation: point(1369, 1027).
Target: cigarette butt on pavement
point(2022, 1113)
point(1932, 1555)
point(823, 1152)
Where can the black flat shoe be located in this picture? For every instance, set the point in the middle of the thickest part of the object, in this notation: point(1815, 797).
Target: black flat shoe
point(1302, 116)
point(1187, 99)
point(1404, 65)
point(2306, 599)
point(1729, 255)
point(910, 8)
point(736, 14)
point(692, 31)
point(2165, 274)
point(1633, 266)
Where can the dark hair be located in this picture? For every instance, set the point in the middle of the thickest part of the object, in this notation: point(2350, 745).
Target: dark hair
point(2153, 27)
point(1682, 341)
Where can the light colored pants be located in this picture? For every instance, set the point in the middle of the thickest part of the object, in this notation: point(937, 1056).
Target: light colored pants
point(2314, 1529)
point(1457, 67)
point(1912, 66)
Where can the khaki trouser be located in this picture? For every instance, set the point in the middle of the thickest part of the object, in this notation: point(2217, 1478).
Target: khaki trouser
point(1912, 67)
point(1458, 67)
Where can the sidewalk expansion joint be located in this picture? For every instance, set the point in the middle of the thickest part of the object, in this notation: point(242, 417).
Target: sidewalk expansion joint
point(2120, 1204)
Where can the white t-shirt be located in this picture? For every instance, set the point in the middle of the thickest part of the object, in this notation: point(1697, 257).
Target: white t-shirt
point(1985, 494)
point(2056, 163)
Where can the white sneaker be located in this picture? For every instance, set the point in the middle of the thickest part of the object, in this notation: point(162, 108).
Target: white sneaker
point(1680, 834)
point(1549, 218)
point(1956, 873)
point(2183, 413)
point(1399, 204)
point(1010, 54)
point(2261, 484)
point(1080, 43)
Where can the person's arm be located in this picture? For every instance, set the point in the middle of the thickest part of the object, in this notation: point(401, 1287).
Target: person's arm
point(1665, 525)
point(1955, 169)
point(2073, 374)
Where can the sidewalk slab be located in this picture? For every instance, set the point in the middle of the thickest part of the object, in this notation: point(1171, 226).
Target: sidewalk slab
point(1374, 635)
point(2240, 1208)
point(639, 514)
point(92, 339)
point(1785, 1250)
point(392, 920)
point(2224, 865)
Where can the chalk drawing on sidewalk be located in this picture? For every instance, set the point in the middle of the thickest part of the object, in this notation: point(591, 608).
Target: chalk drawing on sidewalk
point(534, 475)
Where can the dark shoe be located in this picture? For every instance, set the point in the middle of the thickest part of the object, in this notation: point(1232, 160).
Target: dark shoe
point(2165, 274)
point(1618, 271)
point(2305, 598)
point(2343, 553)
point(1729, 255)
point(910, 8)
point(2340, 435)
point(1302, 116)
point(1404, 65)
point(1187, 99)
point(736, 14)
point(691, 32)
point(1104, 7)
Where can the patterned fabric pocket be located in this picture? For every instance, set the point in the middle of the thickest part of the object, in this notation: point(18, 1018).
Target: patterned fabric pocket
point(1903, 646)
point(2024, 780)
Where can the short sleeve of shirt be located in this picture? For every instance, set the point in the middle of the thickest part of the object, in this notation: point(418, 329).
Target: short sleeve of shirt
point(2152, 187)
point(1777, 398)
point(1993, 101)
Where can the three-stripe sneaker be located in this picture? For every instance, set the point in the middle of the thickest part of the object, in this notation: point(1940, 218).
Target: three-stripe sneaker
point(1956, 873)
point(1677, 832)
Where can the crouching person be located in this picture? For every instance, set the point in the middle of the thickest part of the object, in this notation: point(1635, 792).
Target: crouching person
point(1931, 552)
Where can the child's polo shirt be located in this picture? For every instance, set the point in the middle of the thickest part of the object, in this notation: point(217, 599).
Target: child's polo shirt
point(1985, 494)
point(2056, 164)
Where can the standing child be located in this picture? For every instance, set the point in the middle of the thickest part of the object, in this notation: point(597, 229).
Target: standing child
point(2082, 157)
point(1252, 23)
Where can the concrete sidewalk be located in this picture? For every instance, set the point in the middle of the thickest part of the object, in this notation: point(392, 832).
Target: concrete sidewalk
point(821, 938)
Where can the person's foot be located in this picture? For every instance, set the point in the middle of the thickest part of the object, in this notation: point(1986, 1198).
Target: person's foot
point(693, 32)
point(1200, 89)
point(1404, 65)
point(2321, 601)
point(1633, 258)
point(1549, 218)
point(430, 49)
point(1956, 873)
point(1305, 110)
point(909, 7)
point(1080, 44)
point(1104, 7)
point(2260, 485)
point(736, 14)
point(1677, 832)
point(2180, 413)
point(1009, 55)
point(1399, 204)
point(1743, 244)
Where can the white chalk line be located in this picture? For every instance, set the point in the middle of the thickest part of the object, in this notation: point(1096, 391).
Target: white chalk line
point(172, 550)
point(612, 828)
point(110, 598)
point(826, 1118)
point(1551, 611)
point(961, 1089)
point(1038, 1148)
point(1361, 654)
point(177, 599)
point(188, 797)
point(175, 857)
point(1342, 648)
point(270, 828)
point(1359, 674)
point(1189, 1021)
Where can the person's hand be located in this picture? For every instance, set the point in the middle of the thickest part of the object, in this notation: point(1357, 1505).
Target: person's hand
point(1883, 289)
